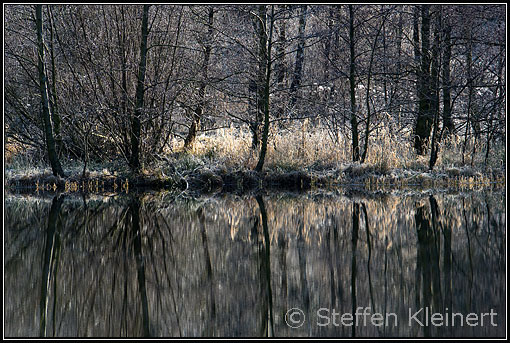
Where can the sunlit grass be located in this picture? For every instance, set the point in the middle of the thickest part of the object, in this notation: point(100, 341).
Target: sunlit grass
point(300, 146)
point(305, 147)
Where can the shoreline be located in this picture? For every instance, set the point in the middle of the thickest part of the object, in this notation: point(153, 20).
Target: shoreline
point(205, 181)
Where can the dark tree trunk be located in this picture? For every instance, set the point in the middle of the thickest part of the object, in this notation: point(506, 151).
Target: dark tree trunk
point(499, 95)
point(197, 115)
point(300, 54)
point(256, 128)
point(469, 60)
point(125, 93)
point(327, 44)
point(369, 77)
point(352, 84)
point(48, 126)
point(425, 118)
point(448, 125)
point(416, 43)
point(55, 116)
point(267, 57)
point(281, 66)
point(140, 90)
point(124, 115)
point(434, 91)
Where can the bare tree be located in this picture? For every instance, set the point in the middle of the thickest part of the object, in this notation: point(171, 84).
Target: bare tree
point(352, 87)
point(448, 125)
point(267, 40)
point(424, 119)
point(140, 91)
point(197, 113)
point(300, 54)
point(46, 115)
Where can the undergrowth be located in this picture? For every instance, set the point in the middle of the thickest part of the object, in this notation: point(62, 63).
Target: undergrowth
point(299, 147)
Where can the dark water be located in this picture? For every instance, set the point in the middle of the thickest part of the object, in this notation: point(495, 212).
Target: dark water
point(235, 266)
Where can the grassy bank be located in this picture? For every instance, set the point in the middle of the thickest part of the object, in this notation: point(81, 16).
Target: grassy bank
point(298, 158)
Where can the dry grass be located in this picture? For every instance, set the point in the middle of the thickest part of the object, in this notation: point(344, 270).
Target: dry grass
point(302, 146)
point(298, 147)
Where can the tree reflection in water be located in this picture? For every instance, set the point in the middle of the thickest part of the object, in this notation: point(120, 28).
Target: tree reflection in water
point(428, 292)
point(143, 266)
point(50, 264)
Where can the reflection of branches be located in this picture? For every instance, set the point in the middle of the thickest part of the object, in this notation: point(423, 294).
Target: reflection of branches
point(169, 281)
point(115, 227)
point(485, 248)
point(191, 258)
point(21, 230)
point(151, 248)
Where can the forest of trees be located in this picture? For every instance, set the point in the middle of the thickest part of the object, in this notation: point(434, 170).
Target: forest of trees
point(100, 82)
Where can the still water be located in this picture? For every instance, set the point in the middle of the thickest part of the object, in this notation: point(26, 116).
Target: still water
point(394, 265)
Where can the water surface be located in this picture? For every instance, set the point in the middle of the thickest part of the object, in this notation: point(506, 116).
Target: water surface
point(152, 265)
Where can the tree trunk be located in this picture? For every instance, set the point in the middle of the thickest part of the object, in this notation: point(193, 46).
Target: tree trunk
point(352, 83)
point(267, 55)
point(424, 120)
point(434, 91)
point(298, 69)
point(400, 34)
point(48, 127)
point(280, 51)
point(260, 23)
point(416, 43)
point(469, 59)
point(369, 77)
point(197, 115)
point(55, 116)
point(281, 67)
point(125, 93)
point(124, 112)
point(140, 90)
point(499, 96)
point(327, 45)
point(448, 125)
